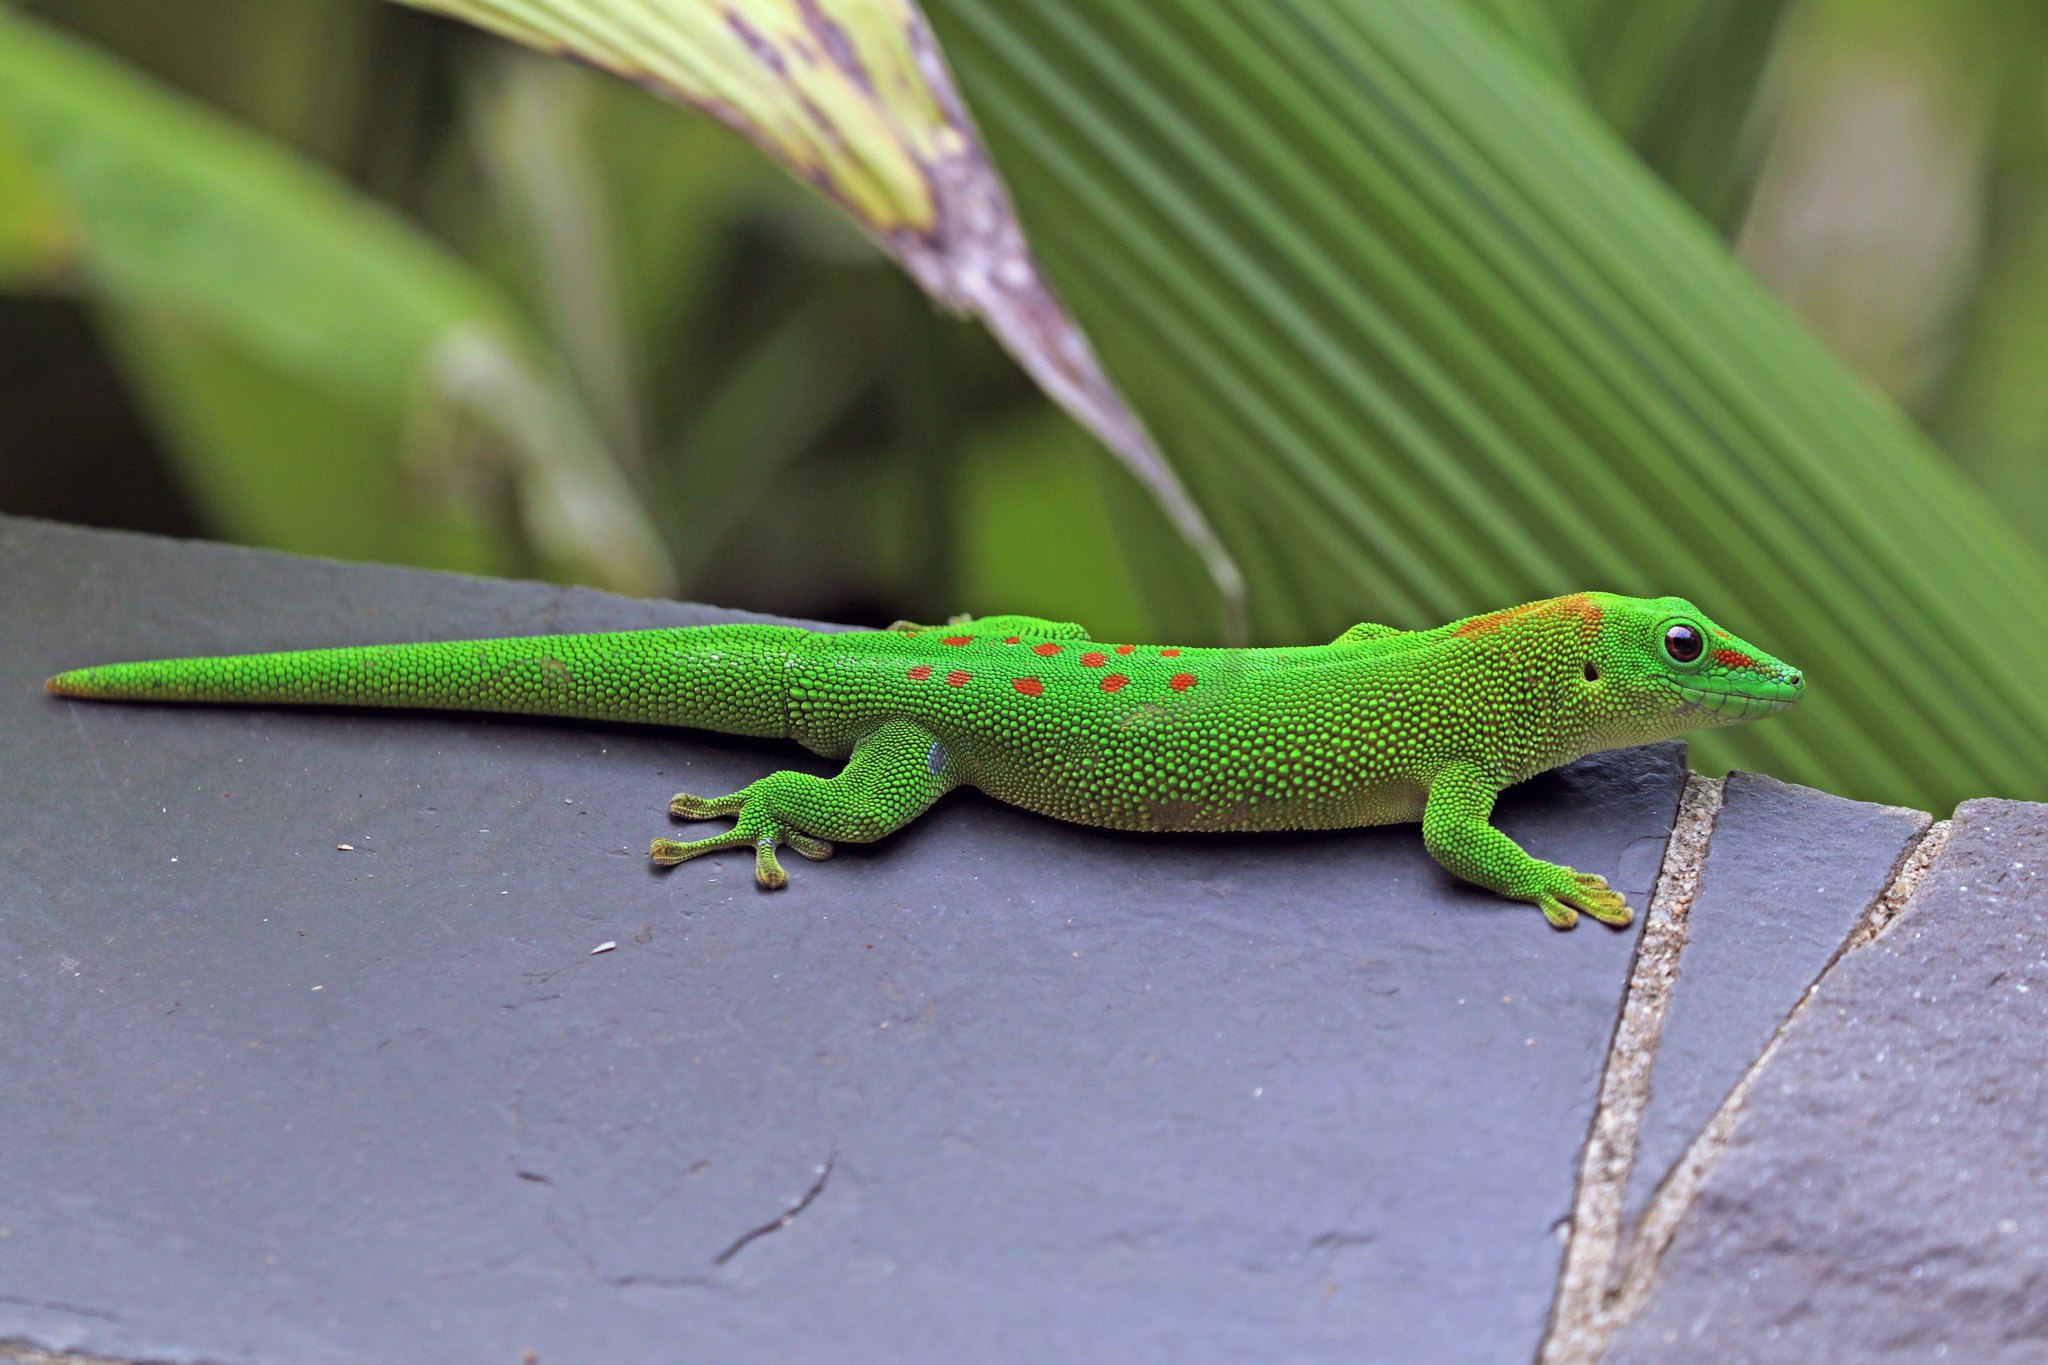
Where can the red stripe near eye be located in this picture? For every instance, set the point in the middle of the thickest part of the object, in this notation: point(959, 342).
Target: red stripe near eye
point(1733, 658)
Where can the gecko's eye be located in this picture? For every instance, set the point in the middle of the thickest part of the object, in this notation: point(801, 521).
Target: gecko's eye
point(1682, 643)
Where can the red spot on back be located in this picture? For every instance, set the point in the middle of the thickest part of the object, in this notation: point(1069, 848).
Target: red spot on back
point(957, 679)
point(956, 639)
point(1013, 639)
point(1126, 649)
point(1115, 682)
point(921, 672)
point(1030, 687)
point(1169, 654)
point(1092, 659)
point(1181, 682)
point(1048, 649)
point(1733, 658)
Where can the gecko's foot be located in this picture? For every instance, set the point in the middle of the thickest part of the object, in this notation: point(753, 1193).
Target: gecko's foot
point(1576, 891)
point(767, 870)
point(756, 828)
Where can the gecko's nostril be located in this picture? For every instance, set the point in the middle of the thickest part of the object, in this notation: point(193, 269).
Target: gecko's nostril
point(1798, 679)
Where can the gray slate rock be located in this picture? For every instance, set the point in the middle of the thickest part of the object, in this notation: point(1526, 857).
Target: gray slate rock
point(1885, 1195)
point(1789, 873)
point(996, 1088)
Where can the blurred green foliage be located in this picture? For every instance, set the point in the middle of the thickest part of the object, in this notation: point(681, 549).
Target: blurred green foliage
point(681, 370)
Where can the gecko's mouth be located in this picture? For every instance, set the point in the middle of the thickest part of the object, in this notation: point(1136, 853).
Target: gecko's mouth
point(1740, 705)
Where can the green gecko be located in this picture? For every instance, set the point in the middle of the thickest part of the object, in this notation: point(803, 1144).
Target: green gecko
point(1379, 726)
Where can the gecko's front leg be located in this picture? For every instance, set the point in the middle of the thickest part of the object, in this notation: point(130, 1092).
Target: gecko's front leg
point(1456, 832)
point(893, 777)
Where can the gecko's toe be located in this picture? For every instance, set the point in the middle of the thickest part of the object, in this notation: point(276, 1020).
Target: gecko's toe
point(1601, 901)
point(1560, 915)
point(817, 850)
point(767, 871)
point(687, 807)
point(669, 852)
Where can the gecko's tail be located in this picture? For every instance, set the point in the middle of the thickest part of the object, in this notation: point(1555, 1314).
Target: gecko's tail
point(729, 678)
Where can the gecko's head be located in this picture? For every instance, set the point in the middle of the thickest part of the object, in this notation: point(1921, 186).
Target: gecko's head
point(1658, 667)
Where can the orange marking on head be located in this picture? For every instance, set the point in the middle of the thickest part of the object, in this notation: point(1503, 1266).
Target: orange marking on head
point(1030, 687)
point(1733, 658)
point(1048, 649)
point(921, 672)
point(1094, 659)
point(1181, 682)
point(1115, 682)
point(957, 679)
point(956, 640)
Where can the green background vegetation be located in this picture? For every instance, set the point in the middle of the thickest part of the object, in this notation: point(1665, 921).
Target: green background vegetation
point(1433, 307)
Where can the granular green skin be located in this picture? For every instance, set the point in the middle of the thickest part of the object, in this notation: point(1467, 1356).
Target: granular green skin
point(1379, 726)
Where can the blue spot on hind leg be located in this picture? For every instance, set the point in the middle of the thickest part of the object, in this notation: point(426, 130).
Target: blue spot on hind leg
point(935, 761)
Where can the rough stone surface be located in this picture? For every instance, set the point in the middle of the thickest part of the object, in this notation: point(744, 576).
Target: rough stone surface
point(1885, 1194)
point(1788, 874)
point(1032, 1091)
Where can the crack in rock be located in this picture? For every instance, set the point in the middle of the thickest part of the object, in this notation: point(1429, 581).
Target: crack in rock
point(1606, 1280)
point(16, 1351)
point(1594, 1228)
point(788, 1216)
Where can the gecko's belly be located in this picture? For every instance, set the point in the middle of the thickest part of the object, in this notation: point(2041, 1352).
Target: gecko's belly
point(1216, 802)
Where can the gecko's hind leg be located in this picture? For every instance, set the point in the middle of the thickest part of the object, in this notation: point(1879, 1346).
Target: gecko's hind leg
point(893, 776)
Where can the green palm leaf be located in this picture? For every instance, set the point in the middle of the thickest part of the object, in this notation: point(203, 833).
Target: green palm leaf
point(1411, 313)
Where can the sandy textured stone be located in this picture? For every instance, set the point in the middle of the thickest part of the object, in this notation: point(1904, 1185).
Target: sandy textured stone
point(1789, 873)
point(1885, 1195)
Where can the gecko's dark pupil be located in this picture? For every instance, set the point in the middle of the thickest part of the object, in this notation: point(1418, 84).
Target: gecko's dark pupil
point(1682, 643)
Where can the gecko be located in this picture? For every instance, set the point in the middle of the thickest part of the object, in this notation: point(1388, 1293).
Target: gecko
point(1379, 726)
